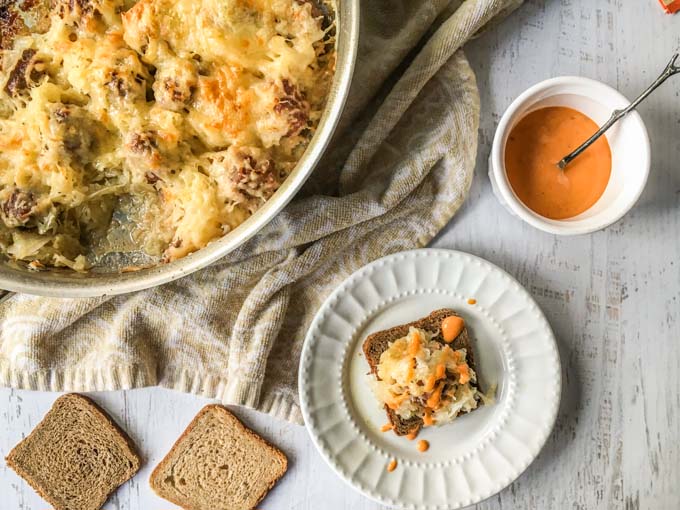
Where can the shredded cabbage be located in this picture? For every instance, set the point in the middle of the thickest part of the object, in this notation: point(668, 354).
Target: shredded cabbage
point(419, 376)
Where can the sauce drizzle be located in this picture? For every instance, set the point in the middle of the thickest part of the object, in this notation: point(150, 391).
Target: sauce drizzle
point(452, 326)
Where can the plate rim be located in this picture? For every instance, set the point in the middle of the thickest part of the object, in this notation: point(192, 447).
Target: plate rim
point(305, 358)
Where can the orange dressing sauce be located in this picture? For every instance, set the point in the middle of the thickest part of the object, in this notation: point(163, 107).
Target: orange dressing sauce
point(534, 147)
point(412, 435)
point(452, 326)
point(428, 421)
point(435, 398)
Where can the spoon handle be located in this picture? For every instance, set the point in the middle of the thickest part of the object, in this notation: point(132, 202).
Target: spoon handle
point(672, 68)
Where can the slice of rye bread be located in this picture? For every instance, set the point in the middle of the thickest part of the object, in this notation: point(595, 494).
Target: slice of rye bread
point(76, 456)
point(377, 343)
point(218, 464)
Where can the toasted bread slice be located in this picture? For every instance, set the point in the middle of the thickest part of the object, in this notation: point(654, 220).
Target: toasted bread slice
point(379, 342)
point(218, 464)
point(76, 456)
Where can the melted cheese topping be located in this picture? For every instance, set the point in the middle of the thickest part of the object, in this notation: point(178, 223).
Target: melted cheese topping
point(171, 120)
point(418, 376)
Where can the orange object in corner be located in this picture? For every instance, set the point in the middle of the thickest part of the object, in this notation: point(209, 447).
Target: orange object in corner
point(671, 6)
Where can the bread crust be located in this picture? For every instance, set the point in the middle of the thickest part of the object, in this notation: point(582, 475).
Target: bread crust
point(376, 343)
point(102, 416)
point(157, 472)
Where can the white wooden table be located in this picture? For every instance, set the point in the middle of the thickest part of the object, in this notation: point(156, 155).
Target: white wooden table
point(613, 298)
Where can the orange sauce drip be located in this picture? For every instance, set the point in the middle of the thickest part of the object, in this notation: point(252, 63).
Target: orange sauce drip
point(397, 400)
point(423, 445)
point(414, 346)
point(435, 398)
point(472, 301)
point(429, 384)
point(413, 434)
point(428, 421)
point(534, 147)
point(464, 373)
point(411, 370)
point(452, 327)
point(392, 465)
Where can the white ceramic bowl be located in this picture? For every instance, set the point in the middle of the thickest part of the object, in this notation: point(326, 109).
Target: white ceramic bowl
point(628, 140)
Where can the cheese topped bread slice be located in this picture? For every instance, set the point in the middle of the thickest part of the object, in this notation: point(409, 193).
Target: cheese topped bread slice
point(424, 372)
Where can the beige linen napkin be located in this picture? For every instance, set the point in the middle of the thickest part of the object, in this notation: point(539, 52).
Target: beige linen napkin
point(399, 169)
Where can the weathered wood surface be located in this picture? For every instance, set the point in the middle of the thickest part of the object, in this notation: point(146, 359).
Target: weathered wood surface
point(613, 298)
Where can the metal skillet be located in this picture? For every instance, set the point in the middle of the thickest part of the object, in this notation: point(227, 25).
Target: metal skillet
point(100, 282)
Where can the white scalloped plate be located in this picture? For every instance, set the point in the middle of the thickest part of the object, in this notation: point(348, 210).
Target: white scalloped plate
point(477, 455)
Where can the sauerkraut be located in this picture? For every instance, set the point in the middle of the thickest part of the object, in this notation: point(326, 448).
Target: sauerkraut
point(419, 376)
point(169, 120)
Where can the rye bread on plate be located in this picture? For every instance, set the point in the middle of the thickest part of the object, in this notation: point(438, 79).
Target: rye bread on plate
point(379, 342)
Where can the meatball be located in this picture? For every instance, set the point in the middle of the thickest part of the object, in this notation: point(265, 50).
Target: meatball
point(86, 15)
point(174, 84)
point(26, 73)
point(319, 10)
point(149, 156)
point(18, 208)
point(76, 8)
point(78, 131)
point(286, 115)
point(125, 83)
point(11, 25)
point(255, 178)
point(293, 106)
point(128, 78)
point(142, 151)
point(20, 18)
point(144, 143)
point(245, 175)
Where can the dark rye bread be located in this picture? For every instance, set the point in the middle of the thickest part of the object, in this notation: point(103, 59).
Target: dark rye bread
point(218, 464)
point(379, 342)
point(76, 456)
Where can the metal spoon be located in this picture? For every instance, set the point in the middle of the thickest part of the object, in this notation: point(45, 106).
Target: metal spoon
point(672, 68)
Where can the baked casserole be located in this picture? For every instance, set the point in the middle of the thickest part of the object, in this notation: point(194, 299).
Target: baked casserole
point(154, 126)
